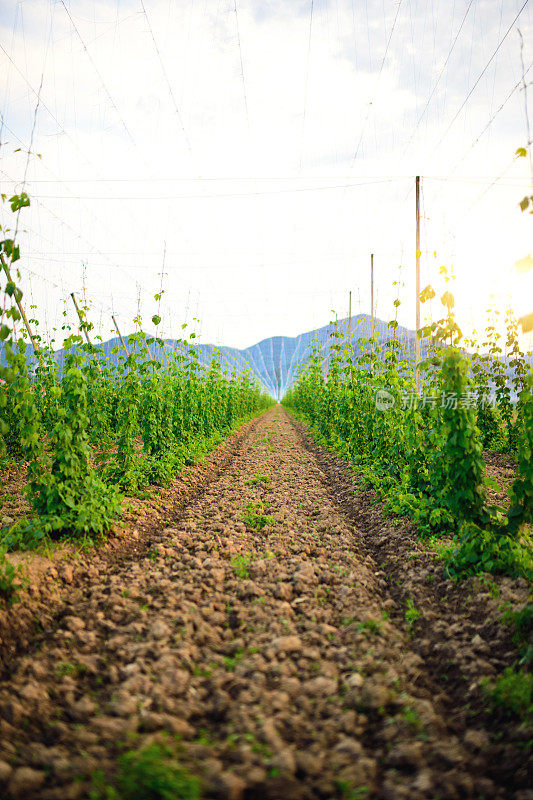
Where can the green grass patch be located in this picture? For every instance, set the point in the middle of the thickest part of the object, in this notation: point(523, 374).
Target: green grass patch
point(257, 480)
point(240, 565)
point(411, 613)
point(255, 518)
point(522, 622)
point(512, 692)
point(11, 580)
point(369, 626)
point(148, 774)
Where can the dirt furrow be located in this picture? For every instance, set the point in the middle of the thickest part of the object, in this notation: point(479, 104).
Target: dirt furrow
point(69, 569)
point(259, 640)
point(457, 627)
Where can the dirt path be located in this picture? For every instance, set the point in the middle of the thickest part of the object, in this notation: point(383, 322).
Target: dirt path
point(275, 659)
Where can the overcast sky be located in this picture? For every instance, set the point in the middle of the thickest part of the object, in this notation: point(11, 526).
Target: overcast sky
point(257, 152)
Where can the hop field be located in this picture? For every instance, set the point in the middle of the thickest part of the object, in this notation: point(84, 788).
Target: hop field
point(213, 595)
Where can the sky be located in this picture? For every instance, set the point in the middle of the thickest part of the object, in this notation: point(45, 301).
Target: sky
point(248, 157)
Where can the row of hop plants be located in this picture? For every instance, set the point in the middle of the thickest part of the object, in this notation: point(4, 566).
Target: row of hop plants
point(423, 454)
point(101, 426)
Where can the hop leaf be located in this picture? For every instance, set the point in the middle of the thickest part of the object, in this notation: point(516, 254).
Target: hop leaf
point(526, 323)
point(19, 201)
point(428, 293)
point(448, 300)
point(524, 264)
point(156, 319)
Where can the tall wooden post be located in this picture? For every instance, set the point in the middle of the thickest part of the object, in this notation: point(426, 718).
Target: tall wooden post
point(372, 289)
point(372, 299)
point(20, 307)
point(350, 317)
point(417, 283)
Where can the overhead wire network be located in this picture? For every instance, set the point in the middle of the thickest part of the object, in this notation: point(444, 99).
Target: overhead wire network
point(41, 104)
point(168, 84)
point(61, 129)
point(498, 180)
point(484, 130)
point(93, 248)
point(481, 74)
point(376, 86)
point(24, 184)
point(306, 86)
point(425, 19)
point(97, 72)
point(370, 106)
point(439, 77)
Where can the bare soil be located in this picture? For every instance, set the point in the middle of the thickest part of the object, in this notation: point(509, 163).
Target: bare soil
point(278, 661)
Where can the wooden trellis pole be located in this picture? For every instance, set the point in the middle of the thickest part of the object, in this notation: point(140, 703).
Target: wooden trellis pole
point(20, 307)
